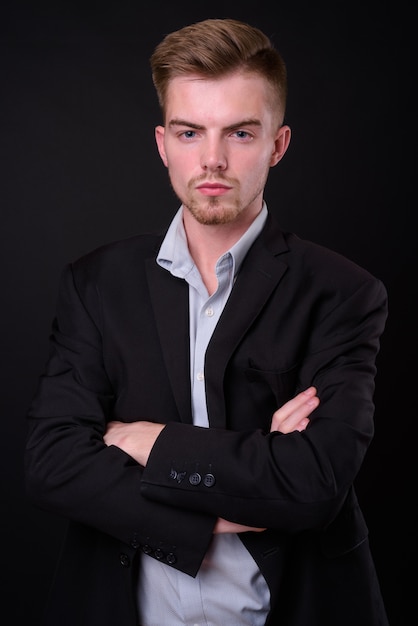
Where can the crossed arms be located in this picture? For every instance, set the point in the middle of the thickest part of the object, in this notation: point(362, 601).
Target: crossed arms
point(138, 438)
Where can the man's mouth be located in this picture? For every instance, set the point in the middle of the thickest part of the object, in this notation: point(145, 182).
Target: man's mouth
point(213, 189)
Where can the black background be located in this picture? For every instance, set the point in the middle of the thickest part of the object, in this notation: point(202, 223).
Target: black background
point(79, 168)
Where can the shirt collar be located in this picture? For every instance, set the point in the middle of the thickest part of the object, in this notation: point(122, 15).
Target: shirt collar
point(174, 253)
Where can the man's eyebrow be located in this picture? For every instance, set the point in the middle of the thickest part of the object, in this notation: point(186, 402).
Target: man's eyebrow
point(247, 122)
point(242, 123)
point(179, 122)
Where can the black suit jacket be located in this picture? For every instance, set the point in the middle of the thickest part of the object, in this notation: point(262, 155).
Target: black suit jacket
point(298, 315)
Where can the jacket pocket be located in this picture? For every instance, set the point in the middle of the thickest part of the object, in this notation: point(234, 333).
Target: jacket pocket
point(280, 384)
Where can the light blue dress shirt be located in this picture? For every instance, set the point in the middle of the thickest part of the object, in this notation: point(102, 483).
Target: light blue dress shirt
point(229, 589)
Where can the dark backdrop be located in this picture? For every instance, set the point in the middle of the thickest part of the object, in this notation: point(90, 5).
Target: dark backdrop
point(79, 168)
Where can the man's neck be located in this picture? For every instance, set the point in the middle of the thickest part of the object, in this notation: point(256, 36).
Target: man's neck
point(209, 242)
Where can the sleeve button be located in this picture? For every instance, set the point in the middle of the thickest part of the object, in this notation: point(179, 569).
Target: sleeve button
point(209, 480)
point(124, 560)
point(159, 554)
point(195, 478)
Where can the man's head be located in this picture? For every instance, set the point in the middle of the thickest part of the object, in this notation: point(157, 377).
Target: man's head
point(222, 89)
point(215, 48)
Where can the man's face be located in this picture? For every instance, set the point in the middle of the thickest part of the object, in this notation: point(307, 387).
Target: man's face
point(219, 141)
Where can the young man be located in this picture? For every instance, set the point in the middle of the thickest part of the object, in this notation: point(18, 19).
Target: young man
point(208, 401)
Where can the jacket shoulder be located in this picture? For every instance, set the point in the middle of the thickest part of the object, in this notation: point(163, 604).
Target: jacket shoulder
point(137, 246)
point(318, 259)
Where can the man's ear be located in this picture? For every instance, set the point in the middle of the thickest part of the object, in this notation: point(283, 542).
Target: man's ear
point(281, 144)
point(159, 138)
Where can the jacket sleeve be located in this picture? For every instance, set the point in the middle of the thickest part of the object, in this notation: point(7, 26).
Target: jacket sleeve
point(69, 470)
point(296, 481)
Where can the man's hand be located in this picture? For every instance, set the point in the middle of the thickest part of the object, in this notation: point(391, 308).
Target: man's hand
point(293, 415)
point(290, 417)
point(134, 438)
point(223, 526)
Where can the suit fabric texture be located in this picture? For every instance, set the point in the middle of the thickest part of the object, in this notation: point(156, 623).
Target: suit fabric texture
point(298, 315)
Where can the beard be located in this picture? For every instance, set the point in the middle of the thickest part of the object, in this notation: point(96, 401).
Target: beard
point(212, 210)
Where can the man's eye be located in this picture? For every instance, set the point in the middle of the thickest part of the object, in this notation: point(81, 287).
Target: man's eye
point(189, 134)
point(242, 134)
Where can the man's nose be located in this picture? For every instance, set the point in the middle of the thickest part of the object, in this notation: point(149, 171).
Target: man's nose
point(213, 156)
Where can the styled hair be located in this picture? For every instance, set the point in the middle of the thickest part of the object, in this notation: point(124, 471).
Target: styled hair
point(214, 48)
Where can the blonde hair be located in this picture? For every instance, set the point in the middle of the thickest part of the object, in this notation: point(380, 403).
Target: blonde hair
point(214, 48)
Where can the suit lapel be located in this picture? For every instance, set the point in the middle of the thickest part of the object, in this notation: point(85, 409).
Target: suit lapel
point(260, 273)
point(170, 301)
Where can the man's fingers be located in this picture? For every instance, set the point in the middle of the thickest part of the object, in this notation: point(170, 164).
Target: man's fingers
point(293, 415)
point(298, 401)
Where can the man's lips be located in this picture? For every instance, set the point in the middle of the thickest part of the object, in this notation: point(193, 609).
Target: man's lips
point(213, 189)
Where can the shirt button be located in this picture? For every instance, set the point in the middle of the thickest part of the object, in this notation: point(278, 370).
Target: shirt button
point(209, 311)
point(200, 376)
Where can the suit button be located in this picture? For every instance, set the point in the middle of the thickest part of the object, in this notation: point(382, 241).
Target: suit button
point(209, 480)
point(159, 554)
point(171, 558)
point(146, 549)
point(124, 560)
point(195, 478)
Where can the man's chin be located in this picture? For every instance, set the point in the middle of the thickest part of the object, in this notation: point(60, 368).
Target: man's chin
point(212, 215)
